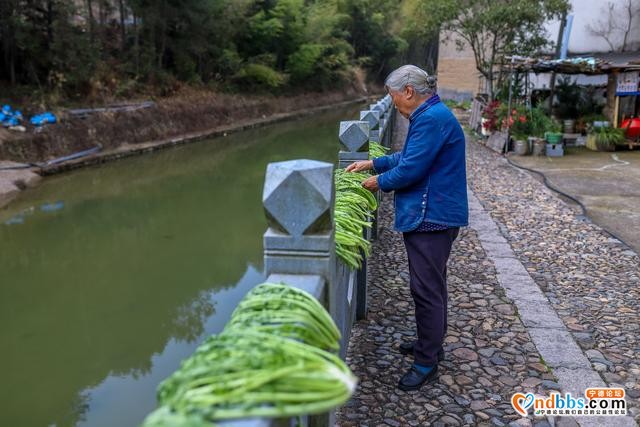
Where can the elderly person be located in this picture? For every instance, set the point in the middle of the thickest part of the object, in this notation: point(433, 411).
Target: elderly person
point(429, 180)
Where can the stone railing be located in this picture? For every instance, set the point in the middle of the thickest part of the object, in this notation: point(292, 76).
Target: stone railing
point(299, 244)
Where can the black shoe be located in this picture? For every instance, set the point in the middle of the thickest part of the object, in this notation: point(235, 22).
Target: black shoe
point(414, 379)
point(406, 347)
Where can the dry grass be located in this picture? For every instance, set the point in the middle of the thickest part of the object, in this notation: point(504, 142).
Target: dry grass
point(188, 111)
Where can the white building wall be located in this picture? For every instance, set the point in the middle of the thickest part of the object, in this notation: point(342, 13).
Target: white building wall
point(589, 12)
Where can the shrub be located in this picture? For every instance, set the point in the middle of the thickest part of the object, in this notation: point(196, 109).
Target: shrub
point(260, 76)
point(541, 123)
point(304, 62)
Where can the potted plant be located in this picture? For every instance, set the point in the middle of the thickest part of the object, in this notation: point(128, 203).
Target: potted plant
point(520, 128)
point(553, 137)
point(606, 138)
point(539, 123)
point(569, 100)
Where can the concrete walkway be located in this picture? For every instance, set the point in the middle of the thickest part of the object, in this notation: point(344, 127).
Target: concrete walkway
point(515, 323)
point(608, 184)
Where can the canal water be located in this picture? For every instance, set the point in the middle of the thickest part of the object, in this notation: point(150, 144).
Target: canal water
point(110, 276)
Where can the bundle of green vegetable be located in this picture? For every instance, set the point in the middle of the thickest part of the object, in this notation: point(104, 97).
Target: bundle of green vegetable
point(269, 361)
point(353, 212)
point(254, 374)
point(376, 150)
point(287, 312)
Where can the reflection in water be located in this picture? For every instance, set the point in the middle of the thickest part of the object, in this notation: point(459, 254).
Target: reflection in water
point(19, 218)
point(115, 274)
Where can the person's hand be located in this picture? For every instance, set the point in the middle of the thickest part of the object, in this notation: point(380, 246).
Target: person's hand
point(362, 165)
point(371, 183)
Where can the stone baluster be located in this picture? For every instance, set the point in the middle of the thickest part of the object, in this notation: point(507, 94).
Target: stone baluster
point(298, 199)
point(299, 244)
point(354, 137)
point(373, 118)
point(354, 142)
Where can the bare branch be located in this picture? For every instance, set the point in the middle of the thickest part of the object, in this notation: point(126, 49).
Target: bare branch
point(614, 24)
point(606, 28)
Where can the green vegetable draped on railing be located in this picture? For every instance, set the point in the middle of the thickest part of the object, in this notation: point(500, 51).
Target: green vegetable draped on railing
point(276, 356)
point(353, 212)
point(376, 150)
point(270, 361)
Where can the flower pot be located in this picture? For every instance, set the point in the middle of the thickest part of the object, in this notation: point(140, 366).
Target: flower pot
point(604, 146)
point(569, 126)
point(553, 137)
point(591, 142)
point(539, 147)
point(520, 148)
point(555, 150)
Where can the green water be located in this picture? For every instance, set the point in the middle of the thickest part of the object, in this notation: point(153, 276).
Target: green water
point(110, 276)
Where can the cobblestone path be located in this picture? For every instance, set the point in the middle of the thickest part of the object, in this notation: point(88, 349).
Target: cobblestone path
point(489, 354)
point(591, 280)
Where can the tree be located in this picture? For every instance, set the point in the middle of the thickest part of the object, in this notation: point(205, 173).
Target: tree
point(615, 25)
point(369, 32)
point(116, 47)
point(493, 29)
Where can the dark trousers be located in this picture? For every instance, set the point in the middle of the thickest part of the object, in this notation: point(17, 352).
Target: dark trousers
point(428, 253)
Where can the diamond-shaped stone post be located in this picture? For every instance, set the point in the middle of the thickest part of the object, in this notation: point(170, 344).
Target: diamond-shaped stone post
point(299, 245)
point(390, 117)
point(372, 117)
point(378, 106)
point(354, 142)
point(298, 203)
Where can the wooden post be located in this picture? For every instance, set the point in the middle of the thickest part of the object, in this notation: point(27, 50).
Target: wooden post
point(612, 82)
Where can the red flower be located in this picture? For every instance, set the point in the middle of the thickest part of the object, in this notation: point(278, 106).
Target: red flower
point(522, 119)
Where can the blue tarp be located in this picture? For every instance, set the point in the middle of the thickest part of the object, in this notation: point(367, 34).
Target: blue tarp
point(10, 117)
point(43, 119)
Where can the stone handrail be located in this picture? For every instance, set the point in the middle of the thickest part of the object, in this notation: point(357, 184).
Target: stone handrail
point(299, 246)
point(299, 243)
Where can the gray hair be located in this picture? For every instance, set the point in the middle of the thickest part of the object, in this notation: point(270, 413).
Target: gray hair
point(410, 75)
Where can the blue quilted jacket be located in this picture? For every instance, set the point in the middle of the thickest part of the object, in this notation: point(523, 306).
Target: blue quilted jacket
point(429, 174)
